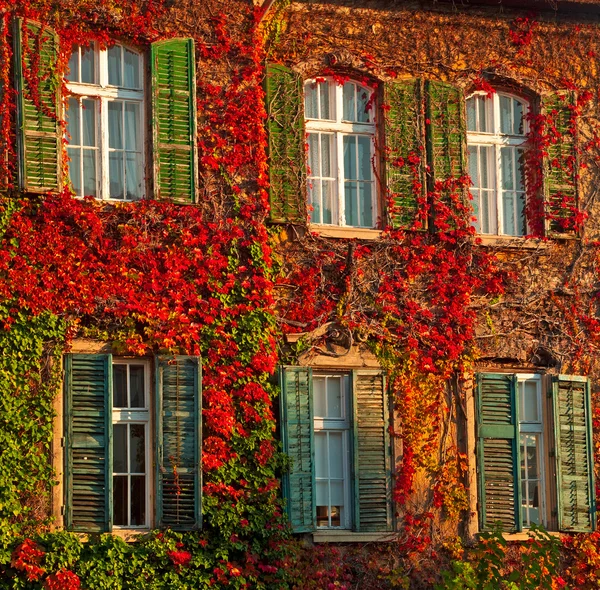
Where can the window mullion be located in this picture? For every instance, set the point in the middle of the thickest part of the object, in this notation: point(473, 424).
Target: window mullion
point(339, 167)
point(499, 190)
point(104, 176)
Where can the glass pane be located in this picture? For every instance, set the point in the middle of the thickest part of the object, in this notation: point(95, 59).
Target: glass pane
point(119, 386)
point(337, 493)
point(115, 170)
point(521, 222)
point(473, 173)
point(75, 169)
point(366, 204)
point(336, 516)
point(471, 115)
point(364, 157)
point(115, 125)
point(319, 396)
point(119, 448)
point(326, 155)
point(132, 121)
point(73, 74)
point(336, 457)
point(314, 200)
point(311, 98)
point(329, 210)
point(334, 397)
point(133, 174)
point(508, 210)
point(483, 119)
point(534, 495)
point(88, 66)
point(136, 386)
point(506, 124)
point(89, 173)
point(88, 112)
point(114, 66)
point(349, 102)
point(131, 69)
point(475, 204)
point(322, 508)
point(351, 196)
point(324, 94)
point(138, 500)
point(530, 402)
point(137, 453)
point(350, 171)
point(507, 166)
point(73, 122)
point(484, 165)
point(120, 500)
point(520, 171)
point(519, 126)
point(488, 212)
point(362, 102)
point(321, 458)
point(313, 155)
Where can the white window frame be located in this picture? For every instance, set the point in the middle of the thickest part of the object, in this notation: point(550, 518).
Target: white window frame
point(103, 93)
point(494, 140)
point(326, 425)
point(137, 416)
point(336, 128)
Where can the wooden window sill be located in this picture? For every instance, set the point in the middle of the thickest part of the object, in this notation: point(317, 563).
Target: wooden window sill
point(335, 231)
point(344, 536)
point(511, 242)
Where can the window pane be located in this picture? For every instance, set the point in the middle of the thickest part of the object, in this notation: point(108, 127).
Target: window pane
point(364, 157)
point(89, 173)
point(336, 457)
point(520, 169)
point(321, 460)
point(509, 206)
point(73, 74)
point(319, 396)
point(519, 127)
point(530, 402)
point(326, 155)
point(471, 115)
point(88, 112)
point(137, 453)
point(88, 66)
point(334, 397)
point(131, 69)
point(337, 494)
point(351, 196)
point(322, 506)
point(73, 121)
point(115, 164)
point(136, 386)
point(115, 125)
point(366, 204)
point(313, 155)
point(328, 203)
point(483, 123)
point(485, 156)
point(75, 169)
point(324, 95)
point(138, 500)
point(506, 123)
point(349, 102)
point(114, 66)
point(311, 101)
point(120, 448)
point(336, 516)
point(362, 101)
point(507, 165)
point(476, 213)
point(488, 209)
point(119, 386)
point(120, 500)
point(314, 200)
point(132, 132)
point(350, 171)
point(133, 173)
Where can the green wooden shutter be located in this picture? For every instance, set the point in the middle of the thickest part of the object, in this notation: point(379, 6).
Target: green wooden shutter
point(178, 442)
point(574, 454)
point(297, 440)
point(498, 447)
point(560, 163)
point(446, 140)
point(287, 157)
point(405, 152)
point(38, 103)
point(88, 435)
point(174, 119)
point(372, 457)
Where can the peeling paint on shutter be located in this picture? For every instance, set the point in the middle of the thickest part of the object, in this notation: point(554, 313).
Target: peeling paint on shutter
point(498, 452)
point(174, 119)
point(560, 163)
point(372, 457)
point(287, 157)
point(179, 442)
point(574, 454)
point(88, 427)
point(38, 130)
point(297, 439)
point(405, 153)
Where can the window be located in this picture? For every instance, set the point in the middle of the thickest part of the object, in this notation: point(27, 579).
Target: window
point(334, 426)
point(535, 459)
point(113, 439)
point(340, 132)
point(104, 122)
point(496, 134)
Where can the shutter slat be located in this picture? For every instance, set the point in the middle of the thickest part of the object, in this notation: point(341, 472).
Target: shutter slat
point(88, 385)
point(287, 158)
point(573, 431)
point(174, 119)
point(372, 454)
point(179, 451)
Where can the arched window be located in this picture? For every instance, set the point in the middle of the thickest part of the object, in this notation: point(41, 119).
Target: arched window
point(340, 130)
point(496, 136)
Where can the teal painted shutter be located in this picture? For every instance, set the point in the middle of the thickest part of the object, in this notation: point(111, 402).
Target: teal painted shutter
point(287, 157)
point(372, 457)
point(560, 163)
point(574, 454)
point(498, 447)
point(297, 439)
point(38, 130)
point(178, 442)
point(446, 139)
point(88, 435)
point(174, 119)
point(405, 153)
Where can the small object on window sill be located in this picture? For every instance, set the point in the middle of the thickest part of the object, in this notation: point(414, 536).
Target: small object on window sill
point(348, 232)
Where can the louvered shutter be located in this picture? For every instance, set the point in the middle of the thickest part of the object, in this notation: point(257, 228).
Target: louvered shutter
point(405, 153)
point(174, 119)
point(560, 163)
point(297, 440)
point(287, 157)
point(38, 100)
point(179, 442)
point(498, 451)
point(574, 454)
point(372, 457)
point(88, 434)
point(446, 140)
